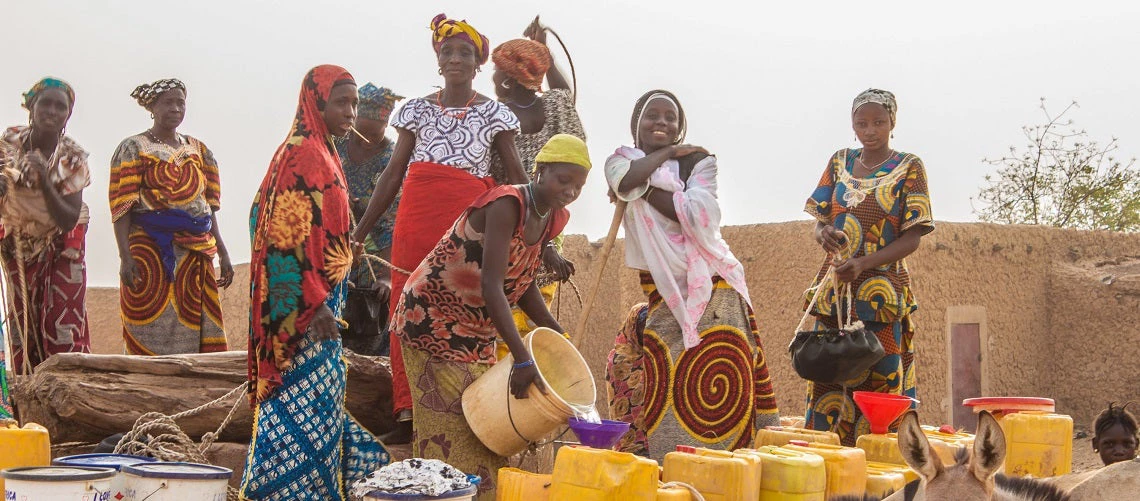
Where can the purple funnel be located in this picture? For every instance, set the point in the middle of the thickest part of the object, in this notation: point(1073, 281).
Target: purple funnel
point(598, 436)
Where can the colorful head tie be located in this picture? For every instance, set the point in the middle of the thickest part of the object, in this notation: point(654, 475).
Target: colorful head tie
point(376, 103)
point(443, 28)
point(564, 148)
point(48, 83)
point(524, 60)
point(146, 94)
point(883, 97)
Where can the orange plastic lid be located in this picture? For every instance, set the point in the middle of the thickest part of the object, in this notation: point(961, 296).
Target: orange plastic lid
point(687, 448)
point(971, 402)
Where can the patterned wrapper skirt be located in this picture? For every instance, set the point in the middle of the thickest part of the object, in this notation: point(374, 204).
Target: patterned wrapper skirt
point(55, 310)
point(166, 315)
point(305, 445)
point(715, 395)
point(831, 406)
point(440, 430)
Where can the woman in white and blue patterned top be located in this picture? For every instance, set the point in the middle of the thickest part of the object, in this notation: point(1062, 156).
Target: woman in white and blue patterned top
point(442, 161)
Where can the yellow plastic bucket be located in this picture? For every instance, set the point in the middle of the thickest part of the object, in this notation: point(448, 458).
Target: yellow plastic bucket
point(505, 424)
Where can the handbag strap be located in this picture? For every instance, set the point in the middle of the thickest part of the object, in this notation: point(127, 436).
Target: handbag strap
point(829, 276)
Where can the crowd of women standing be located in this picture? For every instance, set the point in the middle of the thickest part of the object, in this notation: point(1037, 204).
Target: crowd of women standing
point(452, 225)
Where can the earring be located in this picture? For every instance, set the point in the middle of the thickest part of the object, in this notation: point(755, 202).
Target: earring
point(892, 135)
point(152, 116)
point(505, 85)
point(478, 69)
point(440, 71)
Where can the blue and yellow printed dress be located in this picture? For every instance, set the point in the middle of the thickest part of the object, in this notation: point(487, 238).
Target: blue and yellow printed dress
point(872, 212)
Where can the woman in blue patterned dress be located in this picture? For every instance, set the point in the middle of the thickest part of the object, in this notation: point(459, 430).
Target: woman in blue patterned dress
point(872, 208)
point(364, 157)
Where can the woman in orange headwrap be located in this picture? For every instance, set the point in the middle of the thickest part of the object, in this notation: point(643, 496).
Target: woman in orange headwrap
point(442, 162)
point(520, 67)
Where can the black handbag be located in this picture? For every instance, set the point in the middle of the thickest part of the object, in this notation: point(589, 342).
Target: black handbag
point(834, 356)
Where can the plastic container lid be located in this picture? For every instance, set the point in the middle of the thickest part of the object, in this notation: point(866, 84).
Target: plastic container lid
point(57, 473)
point(1014, 401)
point(801, 443)
point(687, 448)
point(469, 491)
point(115, 461)
point(179, 471)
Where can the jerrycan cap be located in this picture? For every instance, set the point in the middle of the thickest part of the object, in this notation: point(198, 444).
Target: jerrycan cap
point(947, 429)
point(687, 448)
point(801, 443)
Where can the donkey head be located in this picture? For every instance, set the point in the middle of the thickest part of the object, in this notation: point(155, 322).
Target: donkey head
point(972, 478)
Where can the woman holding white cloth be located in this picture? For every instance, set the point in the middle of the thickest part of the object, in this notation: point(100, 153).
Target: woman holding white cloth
point(688, 367)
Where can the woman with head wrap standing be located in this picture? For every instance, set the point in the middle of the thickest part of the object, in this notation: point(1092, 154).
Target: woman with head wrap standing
point(871, 208)
point(687, 367)
point(165, 193)
point(44, 224)
point(364, 157)
point(305, 444)
point(442, 161)
point(520, 67)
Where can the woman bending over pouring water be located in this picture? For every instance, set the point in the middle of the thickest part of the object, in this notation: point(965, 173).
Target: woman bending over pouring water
point(460, 297)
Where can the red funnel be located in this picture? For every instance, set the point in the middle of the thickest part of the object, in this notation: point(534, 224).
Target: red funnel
point(882, 409)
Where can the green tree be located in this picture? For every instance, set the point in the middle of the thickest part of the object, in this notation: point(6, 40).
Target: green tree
point(1062, 178)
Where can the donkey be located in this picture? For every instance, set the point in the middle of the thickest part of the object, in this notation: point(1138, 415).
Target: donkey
point(973, 477)
point(975, 474)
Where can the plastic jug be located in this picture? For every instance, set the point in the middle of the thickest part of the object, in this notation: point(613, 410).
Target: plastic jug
point(782, 435)
point(673, 493)
point(908, 474)
point(846, 467)
point(950, 436)
point(788, 475)
point(520, 485)
point(717, 475)
point(884, 448)
point(27, 446)
point(582, 473)
point(1039, 444)
point(881, 482)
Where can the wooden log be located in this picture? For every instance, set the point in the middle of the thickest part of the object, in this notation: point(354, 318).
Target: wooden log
point(85, 398)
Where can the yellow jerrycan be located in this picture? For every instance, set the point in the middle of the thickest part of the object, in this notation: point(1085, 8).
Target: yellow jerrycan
point(717, 475)
point(846, 467)
point(1038, 444)
point(788, 475)
point(27, 446)
point(781, 435)
point(883, 479)
point(586, 474)
point(520, 485)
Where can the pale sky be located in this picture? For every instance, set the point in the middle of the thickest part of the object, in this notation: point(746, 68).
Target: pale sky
point(767, 86)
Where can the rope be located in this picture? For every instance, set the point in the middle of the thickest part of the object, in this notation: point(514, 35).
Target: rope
point(158, 436)
point(368, 258)
point(573, 74)
point(693, 492)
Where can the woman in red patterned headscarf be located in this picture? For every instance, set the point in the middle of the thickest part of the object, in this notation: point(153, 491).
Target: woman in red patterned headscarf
point(301, 256)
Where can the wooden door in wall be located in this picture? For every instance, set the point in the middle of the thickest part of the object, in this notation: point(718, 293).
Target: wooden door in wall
point(966, 372)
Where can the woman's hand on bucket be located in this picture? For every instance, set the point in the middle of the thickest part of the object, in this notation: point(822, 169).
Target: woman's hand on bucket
point(521, 379)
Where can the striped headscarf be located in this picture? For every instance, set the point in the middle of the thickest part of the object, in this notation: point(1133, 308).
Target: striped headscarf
point(48, 83)
point(883, 97)
point(146, 94)
point(443, 28)
point(524, 60)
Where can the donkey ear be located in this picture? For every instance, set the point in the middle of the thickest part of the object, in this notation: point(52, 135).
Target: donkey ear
point(989, 448)
point(915, 448)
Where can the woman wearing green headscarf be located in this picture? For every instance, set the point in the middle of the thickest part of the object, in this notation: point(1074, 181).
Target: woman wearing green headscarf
point(42, 176)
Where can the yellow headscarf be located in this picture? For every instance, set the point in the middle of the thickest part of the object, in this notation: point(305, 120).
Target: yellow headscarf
point(564, 148)
point(443, 28)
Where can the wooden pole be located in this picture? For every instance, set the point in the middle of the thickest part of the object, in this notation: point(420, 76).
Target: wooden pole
point(580, 331)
